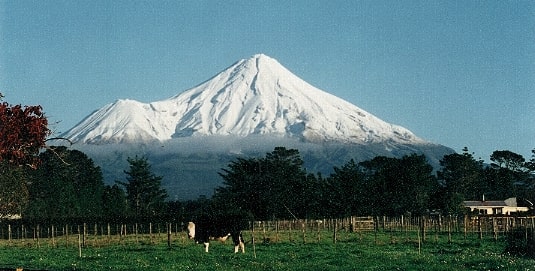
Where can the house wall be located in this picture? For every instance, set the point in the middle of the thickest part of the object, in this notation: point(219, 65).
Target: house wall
point(489, 210)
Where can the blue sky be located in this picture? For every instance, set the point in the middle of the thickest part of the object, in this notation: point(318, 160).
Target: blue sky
point(458, 73)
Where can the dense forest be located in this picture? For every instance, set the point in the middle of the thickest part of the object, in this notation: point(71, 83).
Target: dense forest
point(67, 185)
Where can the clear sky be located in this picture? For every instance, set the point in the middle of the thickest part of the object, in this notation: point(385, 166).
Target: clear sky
point(458, 73)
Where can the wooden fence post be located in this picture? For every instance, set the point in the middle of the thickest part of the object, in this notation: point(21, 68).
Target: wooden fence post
point(79, 246)
point(290, 224)
point(334, 231)
point(135, 233)
point(109, 233)
point(422, 227)
point(150, 233)
point(84, 235)
point(169, 235)
point(449, 229)
point(66, 229)
point(375, 228)
point(319, 234)
point(303, 229)
point(419, 242)
point(253, 239)
point(465, 225)
point(402, 224)
point(277, 226)
point(263, 223)
point(53, 236)
point(37, 236)
point(494, 229)
point(479, 230)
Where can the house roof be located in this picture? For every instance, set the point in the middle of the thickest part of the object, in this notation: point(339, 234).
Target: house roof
point(489, 203)
point(510, 202)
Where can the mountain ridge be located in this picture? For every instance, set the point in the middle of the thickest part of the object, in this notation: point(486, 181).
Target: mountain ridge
point(253, 96)
point(246, 110)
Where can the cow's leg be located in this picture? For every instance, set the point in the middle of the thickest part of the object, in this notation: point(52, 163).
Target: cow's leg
point(242, 246)
point(206, 245)
point(239, 245)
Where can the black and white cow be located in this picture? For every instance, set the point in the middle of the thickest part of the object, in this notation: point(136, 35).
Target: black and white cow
point(205, 230)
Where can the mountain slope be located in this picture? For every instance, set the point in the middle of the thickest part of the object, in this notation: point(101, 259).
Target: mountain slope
point(245, 111)
point(253, 96)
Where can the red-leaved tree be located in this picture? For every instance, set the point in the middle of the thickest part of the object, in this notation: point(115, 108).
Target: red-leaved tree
point(23, 132)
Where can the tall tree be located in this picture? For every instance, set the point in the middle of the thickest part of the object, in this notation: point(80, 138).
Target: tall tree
point(67, 184)
point(23, 131)
point(530, 181)
point(399, 185)
point(274, 186)
point(380, 184)
point(243, 187)
point(460, 179)
point(346, 191)
point(145, 196)
point(508, 175)
point(531, 163)
point(114, 200)
point(285, 176)
point(419, 183)
point(508, 160)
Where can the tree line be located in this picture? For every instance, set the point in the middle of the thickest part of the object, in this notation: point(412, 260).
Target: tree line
point(277, 186)
point(61, 183)
point(68, 185)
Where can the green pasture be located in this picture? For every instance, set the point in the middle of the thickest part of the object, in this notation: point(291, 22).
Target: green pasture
point(290, 250)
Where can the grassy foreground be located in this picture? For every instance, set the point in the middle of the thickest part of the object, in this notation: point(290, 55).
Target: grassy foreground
point(352, 252)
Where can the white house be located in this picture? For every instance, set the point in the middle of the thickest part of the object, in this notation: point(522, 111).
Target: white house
point(495, 207)
point(10, 217)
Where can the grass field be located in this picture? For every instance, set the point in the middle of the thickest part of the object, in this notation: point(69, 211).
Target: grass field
point(352, 251)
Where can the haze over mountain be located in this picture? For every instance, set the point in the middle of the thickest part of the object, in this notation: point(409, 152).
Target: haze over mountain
point(248, 109)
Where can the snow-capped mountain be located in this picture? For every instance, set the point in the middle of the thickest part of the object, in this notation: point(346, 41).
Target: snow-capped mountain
point(246, 110)
point(254, 96)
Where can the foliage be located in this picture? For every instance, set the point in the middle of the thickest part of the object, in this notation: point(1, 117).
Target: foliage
point(69, 185)
point(277, 186)
point(23, 131)
point(531, 164)
point(346, 191)
point(460, 179)
point(529, 183)
point(13, 193)
point(66, 185)
point(399, 186)
point(508, 159)
point(508, 175)
point(274, 186)
point(144, 194)
point(114, 200)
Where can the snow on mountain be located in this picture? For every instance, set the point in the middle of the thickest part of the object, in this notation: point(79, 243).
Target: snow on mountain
point(253, 96)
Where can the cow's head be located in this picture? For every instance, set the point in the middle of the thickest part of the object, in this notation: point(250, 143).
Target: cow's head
point(191, 230)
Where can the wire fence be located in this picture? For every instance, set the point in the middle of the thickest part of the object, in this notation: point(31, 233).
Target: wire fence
point(298, 230)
